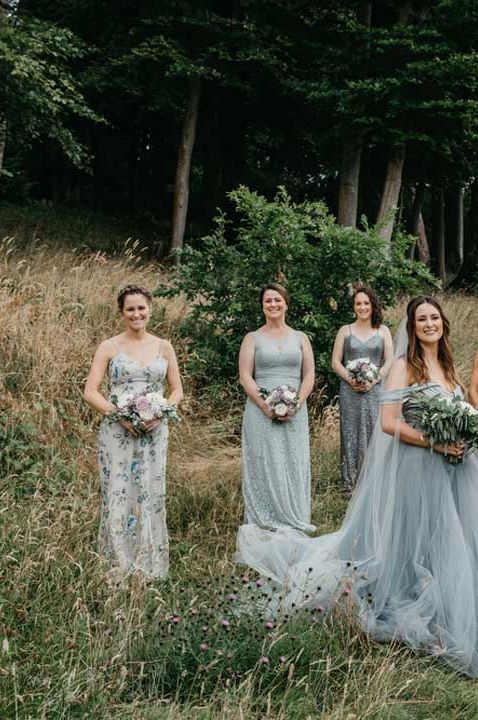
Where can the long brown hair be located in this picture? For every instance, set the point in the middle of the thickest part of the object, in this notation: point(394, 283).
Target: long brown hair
point(416, 366)
point(377, 312)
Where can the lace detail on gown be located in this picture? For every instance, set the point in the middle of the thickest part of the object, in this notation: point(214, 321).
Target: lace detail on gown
point(133, 533)
point(276, 456)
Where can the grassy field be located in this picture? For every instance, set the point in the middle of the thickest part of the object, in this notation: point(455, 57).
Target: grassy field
point(72, 646)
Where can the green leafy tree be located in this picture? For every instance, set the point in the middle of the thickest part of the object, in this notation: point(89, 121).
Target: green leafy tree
point(298, 244)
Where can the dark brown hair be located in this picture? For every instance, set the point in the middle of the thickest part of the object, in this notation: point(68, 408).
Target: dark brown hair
point(377, 311)
point(278, 288)
point(416, 366)
point(132, 290)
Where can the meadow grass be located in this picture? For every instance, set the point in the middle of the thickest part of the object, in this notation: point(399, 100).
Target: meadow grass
point(74, 646)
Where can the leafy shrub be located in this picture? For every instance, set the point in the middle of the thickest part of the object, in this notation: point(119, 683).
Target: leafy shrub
point(298, 244)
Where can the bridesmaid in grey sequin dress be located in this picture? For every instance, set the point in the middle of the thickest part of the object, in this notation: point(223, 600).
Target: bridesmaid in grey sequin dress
point(359, 404)
point(132, 462)
point(275, 452)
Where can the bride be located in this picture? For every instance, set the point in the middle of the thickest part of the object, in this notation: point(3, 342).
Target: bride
point(407, 551)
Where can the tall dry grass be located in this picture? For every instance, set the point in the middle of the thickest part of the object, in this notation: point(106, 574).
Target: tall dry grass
point(68, 640)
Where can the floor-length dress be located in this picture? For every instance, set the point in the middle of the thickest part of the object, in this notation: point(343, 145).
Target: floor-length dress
point(358, 411)
point(276, 455)
point(133, 533)
point(406, 554)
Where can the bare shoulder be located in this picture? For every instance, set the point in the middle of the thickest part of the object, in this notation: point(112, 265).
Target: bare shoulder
point(398, 375)
point(384, 331)
point(303, 337)
point(108, 348)
point(165, 346)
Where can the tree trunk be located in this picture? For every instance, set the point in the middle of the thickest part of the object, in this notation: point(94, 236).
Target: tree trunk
point(4, 10)
point(391, 191)
point(349, 181)
point(418, 225)
point(460, 228)
point(440, 210)
point(471, 234)
point(181, 186)
point(352, 151)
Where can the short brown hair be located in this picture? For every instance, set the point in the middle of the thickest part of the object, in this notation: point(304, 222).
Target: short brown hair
point(278, 288)
point(377, 311)
point(132, 290)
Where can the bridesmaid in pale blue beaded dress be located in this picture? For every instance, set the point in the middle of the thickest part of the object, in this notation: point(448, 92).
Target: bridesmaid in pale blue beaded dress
point(133, 533)
point(275, 452)
point(359, 403)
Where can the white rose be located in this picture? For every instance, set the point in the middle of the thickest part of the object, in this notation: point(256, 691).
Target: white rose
point(146, 415)
point(289, 395)
point(280, 410)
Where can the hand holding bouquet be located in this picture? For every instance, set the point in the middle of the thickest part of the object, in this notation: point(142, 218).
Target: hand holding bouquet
point(283, 400)
point(362, 370)
point(444, 421)
point(140, 408)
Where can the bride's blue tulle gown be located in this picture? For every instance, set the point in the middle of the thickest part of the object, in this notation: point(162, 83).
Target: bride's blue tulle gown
point(407, 550)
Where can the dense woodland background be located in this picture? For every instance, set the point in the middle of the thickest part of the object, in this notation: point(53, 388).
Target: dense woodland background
point(155, 110)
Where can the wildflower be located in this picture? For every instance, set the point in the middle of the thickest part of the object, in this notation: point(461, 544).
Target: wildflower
point(347, 590)
point(205, 628)
point(319, 609)
point(194, 611)
point(175, 619)
point(260, 582)
point(269, 625)
point(204, 647)
point(225, 623)
point(264, 660)
point(282, 659)
point(232, 596)
point(245, 579)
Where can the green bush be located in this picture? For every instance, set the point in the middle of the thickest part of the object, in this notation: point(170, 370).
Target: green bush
point(298, 244)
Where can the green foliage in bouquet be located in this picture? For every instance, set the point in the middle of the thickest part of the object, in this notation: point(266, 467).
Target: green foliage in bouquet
point(444, 420)
point(297, 244)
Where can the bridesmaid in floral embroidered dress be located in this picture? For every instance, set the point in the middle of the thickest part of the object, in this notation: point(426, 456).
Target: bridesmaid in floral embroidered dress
point(132, 463)
point(359, 406)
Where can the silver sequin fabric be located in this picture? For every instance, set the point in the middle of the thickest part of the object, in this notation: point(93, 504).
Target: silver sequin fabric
point(358, 411)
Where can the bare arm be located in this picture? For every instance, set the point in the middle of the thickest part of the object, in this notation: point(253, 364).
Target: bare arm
point(393, 423)
point(174, 378)
point(308, 369)
point(473, 388)
point(92, 393)
point(246, 370)
point(387, 351)
point(338, 354)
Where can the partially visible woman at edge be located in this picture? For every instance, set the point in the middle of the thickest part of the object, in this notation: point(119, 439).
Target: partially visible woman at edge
point(359, 403)
point(275, 452)
point(473, 387)
point(132, 462)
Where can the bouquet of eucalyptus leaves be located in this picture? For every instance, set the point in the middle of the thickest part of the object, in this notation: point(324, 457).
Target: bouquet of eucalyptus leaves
point(444, 420)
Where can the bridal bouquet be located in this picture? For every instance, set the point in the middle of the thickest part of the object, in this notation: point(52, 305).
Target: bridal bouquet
point(362, 370)
point(283, 399)
point(141, 407)
point(444, 420)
